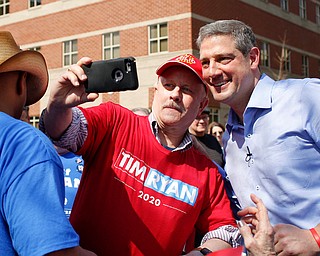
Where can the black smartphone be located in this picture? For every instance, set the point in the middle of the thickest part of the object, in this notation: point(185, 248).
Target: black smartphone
point(113, 75)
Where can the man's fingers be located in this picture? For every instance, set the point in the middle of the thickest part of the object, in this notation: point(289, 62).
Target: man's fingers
point(248, 219)
point(84, 61)
point(92, 96)
point(248, 211)
point(245, 231)
point(75, 73)
point(262, 210)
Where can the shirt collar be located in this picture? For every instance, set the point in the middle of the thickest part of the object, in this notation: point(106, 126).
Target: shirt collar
point(260, 99)
point(261, 95)
point(233, 121)
point(185, 144)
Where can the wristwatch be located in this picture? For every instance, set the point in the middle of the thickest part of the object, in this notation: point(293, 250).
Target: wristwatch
point(204, 251)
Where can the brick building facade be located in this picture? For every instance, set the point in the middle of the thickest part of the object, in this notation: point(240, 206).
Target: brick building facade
point(155, 30)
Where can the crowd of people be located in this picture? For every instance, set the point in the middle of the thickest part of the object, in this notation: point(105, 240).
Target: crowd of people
point(165, 181)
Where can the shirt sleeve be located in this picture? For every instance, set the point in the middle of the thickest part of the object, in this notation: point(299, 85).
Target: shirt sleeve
point(75, 135)
point(310, 108)
point(226, 233)
point(216, 219)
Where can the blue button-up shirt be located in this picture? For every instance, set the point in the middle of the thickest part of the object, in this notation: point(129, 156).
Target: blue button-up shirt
point(275, 154)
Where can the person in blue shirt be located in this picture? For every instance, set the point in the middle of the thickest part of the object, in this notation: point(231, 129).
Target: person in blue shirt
point(32, 221)
point(72, 168)
point(272, 138)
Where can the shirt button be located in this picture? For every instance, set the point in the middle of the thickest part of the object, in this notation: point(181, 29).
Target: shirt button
point(249, 135)
point(257, 187)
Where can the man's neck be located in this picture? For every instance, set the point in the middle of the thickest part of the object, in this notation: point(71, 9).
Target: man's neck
point(170, 139)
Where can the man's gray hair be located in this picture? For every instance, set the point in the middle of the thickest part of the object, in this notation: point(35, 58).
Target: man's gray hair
point(242, 34)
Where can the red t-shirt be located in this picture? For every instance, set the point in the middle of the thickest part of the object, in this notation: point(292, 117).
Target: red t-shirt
point(138, 198)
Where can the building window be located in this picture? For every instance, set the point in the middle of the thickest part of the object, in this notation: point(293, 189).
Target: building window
point(111, 45)
point(36, 48)
point(215, 115)
point(264, 54)
point(284, 5)
point(303, 9)
point(34, 3)
point(4, 7)
point(34, 121)
point(158, 38)
point(286, 60)
point(305, 66)
point(70, 52)
point(318, 14)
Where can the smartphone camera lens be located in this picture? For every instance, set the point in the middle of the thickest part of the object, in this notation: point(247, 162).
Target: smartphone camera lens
point(117, 75)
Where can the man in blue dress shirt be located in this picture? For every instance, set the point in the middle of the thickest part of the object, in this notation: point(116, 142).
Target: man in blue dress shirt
point(272, 138)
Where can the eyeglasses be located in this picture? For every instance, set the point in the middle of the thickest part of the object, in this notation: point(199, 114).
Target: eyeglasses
point(217, 132)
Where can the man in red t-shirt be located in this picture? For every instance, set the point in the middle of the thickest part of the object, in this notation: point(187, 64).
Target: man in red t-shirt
point(145, 188)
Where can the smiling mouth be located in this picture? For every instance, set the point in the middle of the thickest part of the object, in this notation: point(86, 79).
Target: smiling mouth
point(220, 84)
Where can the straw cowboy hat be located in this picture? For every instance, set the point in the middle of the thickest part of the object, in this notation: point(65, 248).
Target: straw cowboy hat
point(12, 58)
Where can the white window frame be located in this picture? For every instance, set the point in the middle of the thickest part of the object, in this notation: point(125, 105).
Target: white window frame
point(305, 65)
point(287, 60)
point(34, 121)
point(4, 5)
point(112, 47)
point(284, 5)
point(318, 14)
point(35, 3)
point(158, 39)
point(215, 115)
point(303, 9)
point(36, 48)
point(71, 53)
point(265, 54)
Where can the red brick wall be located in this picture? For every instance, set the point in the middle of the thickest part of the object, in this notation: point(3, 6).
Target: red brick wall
point(114, 97)
point(90, 47)
point(18, 5)
point(34, 109)
point(151, 96)
point(134, 42)
point(53, 55)
point(314, 67)
point(182, 33)
point(266, 25)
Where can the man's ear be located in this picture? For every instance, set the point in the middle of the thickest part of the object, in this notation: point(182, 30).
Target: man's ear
point(21, 84)
point(254, 56)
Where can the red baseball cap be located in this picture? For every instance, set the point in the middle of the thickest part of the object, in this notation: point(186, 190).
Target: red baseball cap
point(187, 60)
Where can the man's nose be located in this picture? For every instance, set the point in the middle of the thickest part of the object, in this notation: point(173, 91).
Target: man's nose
point(176, 94)
point(213, 70)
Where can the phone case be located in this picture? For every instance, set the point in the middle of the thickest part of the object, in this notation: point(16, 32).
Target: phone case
point(111, 75)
